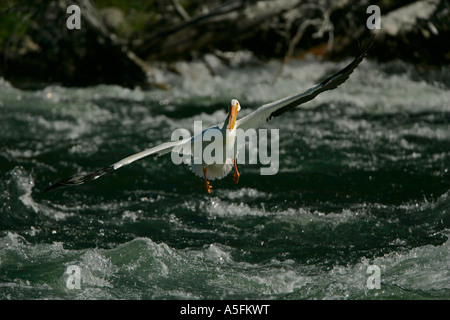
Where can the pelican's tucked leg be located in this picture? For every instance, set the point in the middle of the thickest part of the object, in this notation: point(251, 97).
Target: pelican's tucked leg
point(236, 174)
point(208, 187)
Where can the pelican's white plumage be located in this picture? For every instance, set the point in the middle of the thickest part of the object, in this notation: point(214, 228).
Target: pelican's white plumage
point(228, 130)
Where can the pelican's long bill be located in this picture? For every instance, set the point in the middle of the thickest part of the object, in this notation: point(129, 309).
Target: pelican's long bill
point(234, 108)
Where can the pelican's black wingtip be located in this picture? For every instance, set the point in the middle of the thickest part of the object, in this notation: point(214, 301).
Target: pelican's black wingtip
point(63, 183)
point(366, 45)
point(75, 181)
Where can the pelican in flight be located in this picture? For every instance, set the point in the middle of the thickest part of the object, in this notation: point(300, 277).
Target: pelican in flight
point(228, 129)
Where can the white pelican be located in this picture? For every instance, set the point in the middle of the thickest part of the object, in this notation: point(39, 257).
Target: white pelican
point(228, 129)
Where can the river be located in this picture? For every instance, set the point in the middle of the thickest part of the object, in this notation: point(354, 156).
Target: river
point(359, 208)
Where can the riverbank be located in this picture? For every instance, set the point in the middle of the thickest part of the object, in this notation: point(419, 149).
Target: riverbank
point(124, 42)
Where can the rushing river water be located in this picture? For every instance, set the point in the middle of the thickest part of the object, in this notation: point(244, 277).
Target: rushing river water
point(363, 181)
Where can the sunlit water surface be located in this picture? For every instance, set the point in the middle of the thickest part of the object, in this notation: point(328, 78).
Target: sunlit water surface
point(363, 180)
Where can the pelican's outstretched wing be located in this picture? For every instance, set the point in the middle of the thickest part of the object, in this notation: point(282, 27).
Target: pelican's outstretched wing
point(152, 152)
point(276, 108)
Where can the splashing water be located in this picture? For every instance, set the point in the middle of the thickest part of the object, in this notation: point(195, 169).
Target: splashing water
point(363, 180)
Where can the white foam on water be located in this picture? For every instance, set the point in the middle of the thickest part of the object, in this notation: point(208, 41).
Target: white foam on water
point(423, 268)
point(160, 271)
point(146, 268)
point(95, 269)
point(414, 273)
point(23, 184)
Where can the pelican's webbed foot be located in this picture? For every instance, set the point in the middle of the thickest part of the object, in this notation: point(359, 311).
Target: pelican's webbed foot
point(208, 187)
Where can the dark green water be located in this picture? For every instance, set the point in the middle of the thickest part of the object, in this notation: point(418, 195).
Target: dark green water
point(363, 180)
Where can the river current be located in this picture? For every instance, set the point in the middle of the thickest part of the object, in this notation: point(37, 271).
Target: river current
point(359, 209)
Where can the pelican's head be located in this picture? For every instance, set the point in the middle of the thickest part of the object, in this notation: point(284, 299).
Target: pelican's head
point(234, 109)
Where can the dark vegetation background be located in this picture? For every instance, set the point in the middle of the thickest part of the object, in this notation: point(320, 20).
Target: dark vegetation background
point(120, 41)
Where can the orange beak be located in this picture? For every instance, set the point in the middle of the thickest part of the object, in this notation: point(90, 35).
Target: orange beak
point(232, 116)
